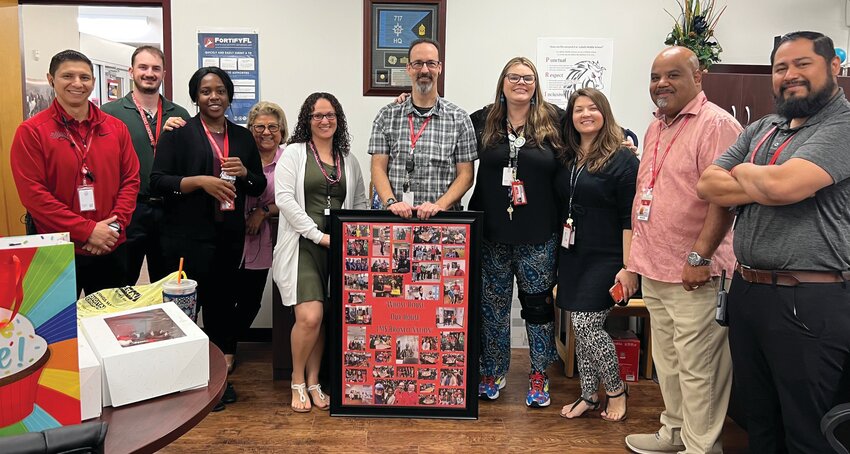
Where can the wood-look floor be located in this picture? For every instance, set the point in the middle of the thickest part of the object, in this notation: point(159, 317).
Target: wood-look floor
point(262, 422)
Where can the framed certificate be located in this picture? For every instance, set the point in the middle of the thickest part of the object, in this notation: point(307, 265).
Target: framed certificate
point(389, 27)
point(404, 318)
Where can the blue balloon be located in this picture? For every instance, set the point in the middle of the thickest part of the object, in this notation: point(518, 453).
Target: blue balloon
point(842, 54)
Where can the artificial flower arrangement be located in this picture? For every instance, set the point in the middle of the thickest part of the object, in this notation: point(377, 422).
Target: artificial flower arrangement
point(694, 29)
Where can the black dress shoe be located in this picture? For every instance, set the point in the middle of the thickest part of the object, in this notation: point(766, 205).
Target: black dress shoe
point(229, 395)
point(219, 406)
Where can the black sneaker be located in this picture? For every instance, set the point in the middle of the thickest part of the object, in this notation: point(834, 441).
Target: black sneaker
point(229, 395)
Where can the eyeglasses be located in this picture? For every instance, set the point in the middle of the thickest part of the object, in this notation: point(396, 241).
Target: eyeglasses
point(259, 129)
point(319, 117)
point(515, 78)
point(431, 64)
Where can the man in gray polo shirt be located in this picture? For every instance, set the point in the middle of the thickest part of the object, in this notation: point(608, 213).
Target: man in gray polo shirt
point(789, 303)
point(422, 149)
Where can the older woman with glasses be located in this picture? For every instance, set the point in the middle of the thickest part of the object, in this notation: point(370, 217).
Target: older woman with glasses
point(518, 140)
point(267, 123)
point(316, 173)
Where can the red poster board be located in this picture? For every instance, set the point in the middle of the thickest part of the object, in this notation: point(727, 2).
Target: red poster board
point(406, 336)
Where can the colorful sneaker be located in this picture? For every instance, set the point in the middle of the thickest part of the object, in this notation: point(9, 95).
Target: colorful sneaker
point(490, 385)
point(538, 390)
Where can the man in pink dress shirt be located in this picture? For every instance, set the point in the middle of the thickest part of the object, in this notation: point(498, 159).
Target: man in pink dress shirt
point(680, 245)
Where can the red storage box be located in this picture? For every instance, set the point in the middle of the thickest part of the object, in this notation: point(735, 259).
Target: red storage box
point(627, 345)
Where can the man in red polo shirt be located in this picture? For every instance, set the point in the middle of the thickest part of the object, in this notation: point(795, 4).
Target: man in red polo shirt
point(76, 171)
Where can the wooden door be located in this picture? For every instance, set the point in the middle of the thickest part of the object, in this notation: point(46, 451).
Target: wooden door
point(757, 97)
point(844, 82)
point(725, 91)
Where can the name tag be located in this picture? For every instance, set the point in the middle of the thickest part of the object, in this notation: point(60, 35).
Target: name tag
point(407, 197)
point(644, 206)
point(85, 193)
point(507, 176)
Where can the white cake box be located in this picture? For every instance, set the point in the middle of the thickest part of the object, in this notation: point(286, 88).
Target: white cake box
point(148, 352)
point(91, 382)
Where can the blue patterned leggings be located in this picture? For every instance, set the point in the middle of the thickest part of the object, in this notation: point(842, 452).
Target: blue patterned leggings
point(534, 268)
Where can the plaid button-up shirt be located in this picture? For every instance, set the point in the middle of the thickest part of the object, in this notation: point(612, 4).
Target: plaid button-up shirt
point(448, 139)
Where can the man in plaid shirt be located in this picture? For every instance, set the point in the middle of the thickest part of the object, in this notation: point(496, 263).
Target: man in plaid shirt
point(423, 148)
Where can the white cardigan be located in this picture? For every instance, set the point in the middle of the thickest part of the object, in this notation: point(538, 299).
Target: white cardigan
point(294, 221)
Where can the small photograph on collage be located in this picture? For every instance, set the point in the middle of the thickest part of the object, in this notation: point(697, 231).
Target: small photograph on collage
point(454, 359)
point(426, 234)
point(422, 292)
point(401, 250)
point(428, 373)
point(381, 248)
point(357, 359)
point(454, 252)
point(428, 399)
point(451, 397)
point(356, 264)
point(383, 356)
point(401, 232)
point(380, 342)
point(356, 297)
point(407, 350)
point(429, 343)
point(451, 377)
point(454, 235)
point(355, 375)
point(387, 285)
point(357, 230)
point(405, 372)
point(426, 272)
point(454, 267)
point(429, 357)
point(356, 337)
point(401, 262)
point(358, 315)
point(356, 281)
point(358, 394)
point(427, 252)
point(380, 265)
point(452, 341)
point(383, 371)
point(450, 317)
point(381, 232)
point(426, 388)
point(453, 291)
point(357, 247)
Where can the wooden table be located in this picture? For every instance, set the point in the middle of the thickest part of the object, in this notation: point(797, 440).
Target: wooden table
point(150, 425)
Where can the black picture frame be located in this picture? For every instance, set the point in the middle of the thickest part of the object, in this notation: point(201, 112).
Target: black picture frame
point(336, 326)
point(384, 61)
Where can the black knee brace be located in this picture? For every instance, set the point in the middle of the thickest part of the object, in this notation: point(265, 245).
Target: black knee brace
point(537, 308)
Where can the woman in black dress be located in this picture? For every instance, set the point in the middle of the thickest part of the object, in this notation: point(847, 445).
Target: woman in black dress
point(204, 171)
point(595, 186)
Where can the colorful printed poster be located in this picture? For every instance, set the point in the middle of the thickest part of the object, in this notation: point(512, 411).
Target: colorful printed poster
point(237, 54)
point(39, 369)
point(405, 338)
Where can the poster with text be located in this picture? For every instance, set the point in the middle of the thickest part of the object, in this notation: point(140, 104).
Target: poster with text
point(406, 340)
point(569, 64)
point(236, 53)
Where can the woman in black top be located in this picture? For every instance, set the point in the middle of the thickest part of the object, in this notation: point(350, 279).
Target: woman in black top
point(595, 188)
point(204, 170)
point(518, 139)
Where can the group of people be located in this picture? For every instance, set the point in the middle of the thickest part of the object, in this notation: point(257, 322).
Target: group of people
point(565, 201)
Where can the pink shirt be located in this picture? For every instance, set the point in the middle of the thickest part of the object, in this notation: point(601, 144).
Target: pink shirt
point(257, 254)
point(660, 246)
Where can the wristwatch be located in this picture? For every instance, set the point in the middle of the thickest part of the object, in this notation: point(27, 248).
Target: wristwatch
point(694, 259)
point(390, 201)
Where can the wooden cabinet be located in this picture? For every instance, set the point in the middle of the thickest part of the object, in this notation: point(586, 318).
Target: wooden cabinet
point(746, 91)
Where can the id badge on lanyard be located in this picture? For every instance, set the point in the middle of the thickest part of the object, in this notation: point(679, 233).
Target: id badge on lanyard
point(644, 205)
point(85, 193)
point(569, 237)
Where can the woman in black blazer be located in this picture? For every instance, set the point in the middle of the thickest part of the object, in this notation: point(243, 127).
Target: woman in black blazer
point(203, 171)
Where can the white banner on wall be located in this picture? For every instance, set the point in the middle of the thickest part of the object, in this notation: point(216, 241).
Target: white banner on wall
point(568, 64)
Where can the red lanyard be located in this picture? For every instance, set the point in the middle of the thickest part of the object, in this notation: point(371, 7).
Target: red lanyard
point(657, 170)
point(153, 137)
point(775, 153)
point(330, 179)
point(221, 156)
point(82, 152)
point(415, 137)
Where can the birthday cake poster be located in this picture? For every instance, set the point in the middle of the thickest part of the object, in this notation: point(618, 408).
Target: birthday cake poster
point(39, 367)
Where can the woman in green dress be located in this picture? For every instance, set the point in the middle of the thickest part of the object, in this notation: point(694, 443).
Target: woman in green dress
point(315, 173)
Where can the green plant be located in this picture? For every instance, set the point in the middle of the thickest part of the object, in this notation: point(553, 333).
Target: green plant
point(694, 29)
